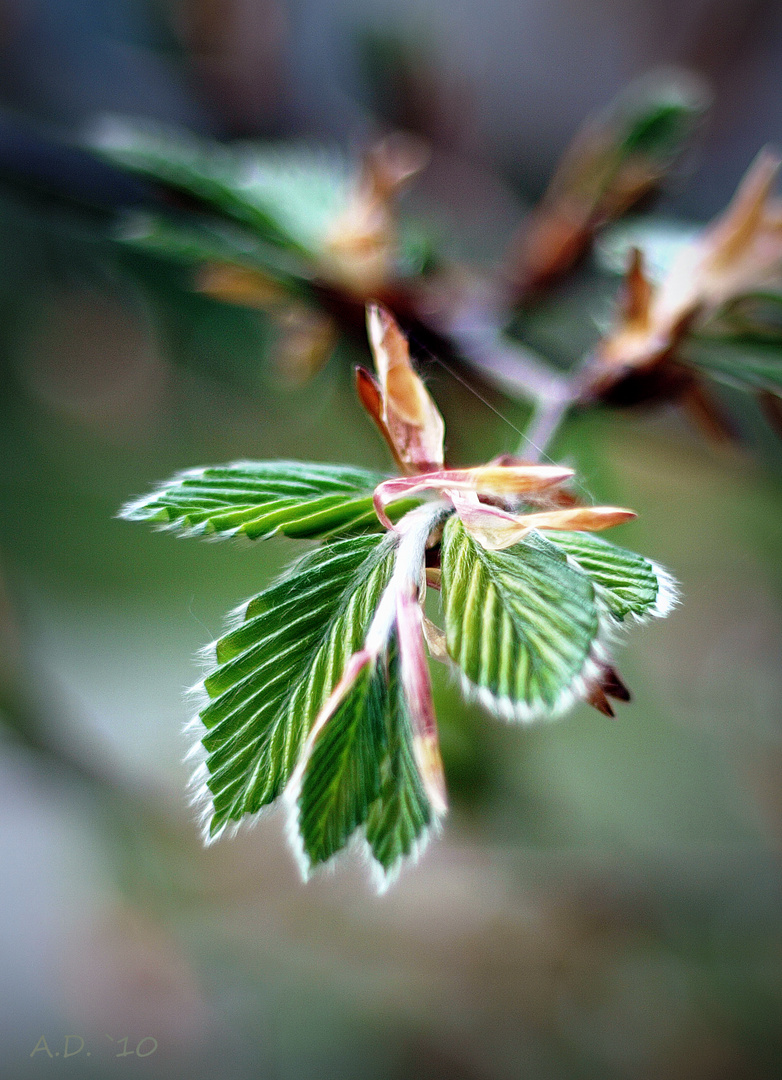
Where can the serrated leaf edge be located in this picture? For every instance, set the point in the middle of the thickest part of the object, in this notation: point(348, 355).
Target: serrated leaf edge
point(357, 847)
point(668, 597)
point(132, 510)
point(199, 795)
point(409, 567)
point(518, 712)
point(505, 709)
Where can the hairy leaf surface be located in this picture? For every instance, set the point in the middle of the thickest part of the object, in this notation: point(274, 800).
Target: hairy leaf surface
point(401, 815)
point(260, 498)
point(342, 776)
point(625, 582)
point(362, 772)
point(520, 623)
point(278, 667)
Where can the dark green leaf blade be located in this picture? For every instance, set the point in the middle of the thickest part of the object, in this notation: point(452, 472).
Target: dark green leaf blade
point(276, 669)
point(361, 771)
point(522, 624)
point(341, 777)
point(625, 583)
point(261, 498)
point(401, 817)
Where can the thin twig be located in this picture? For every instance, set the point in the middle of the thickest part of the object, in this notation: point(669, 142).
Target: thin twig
point(475, 329)
point(545, 423)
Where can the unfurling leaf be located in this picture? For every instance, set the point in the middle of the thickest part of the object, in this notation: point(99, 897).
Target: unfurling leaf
point(529, 626)
point(614, 160)
point(321, 691)
point(287, 194)
point(258, 499)
point(739, 253)
point(342, 774)
point(401, 816)
point(360, 777)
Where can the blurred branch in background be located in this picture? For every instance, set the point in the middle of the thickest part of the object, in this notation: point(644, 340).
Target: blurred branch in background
point(606, 899)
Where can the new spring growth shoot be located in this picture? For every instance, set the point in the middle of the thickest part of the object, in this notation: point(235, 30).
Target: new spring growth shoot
point(319, 693)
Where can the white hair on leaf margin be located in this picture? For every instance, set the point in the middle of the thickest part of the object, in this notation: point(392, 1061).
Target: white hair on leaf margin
point(357, 845)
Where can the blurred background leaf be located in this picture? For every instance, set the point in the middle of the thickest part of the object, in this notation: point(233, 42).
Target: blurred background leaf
point(605, 901)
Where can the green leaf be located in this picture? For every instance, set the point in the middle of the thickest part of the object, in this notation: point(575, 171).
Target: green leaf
point(192, 241)
point(745, 362)
point(755, 316)
point(652, 121)
point(625, 583)
point(361, 771)
point(661, 126)
point(400, 817)
point(276, 669)
point(288, 194)
point(522, 624)
point(342, 775)
point(261, 498)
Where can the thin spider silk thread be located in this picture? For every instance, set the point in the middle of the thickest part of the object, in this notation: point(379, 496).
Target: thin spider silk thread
point(460, 379)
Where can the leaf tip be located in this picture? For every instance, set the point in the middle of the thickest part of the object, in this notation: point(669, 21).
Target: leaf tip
point(136, 509)
point(668, 593)
point(384, 876)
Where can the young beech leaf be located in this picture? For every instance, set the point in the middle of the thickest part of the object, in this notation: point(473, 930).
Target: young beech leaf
point(342, 775)
point(361, 771)
point(399, 819)
point(288, 194)
point(522, 624)
point(194, 242)
point(260, 498)
point(625, 583)
point(278, 666)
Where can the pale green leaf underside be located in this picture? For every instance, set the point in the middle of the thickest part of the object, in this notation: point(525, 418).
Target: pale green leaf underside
point(258, 499)
point(520, 623)
point(626, 583)
point(287, 193)
point(277, 668)
point(362, 772)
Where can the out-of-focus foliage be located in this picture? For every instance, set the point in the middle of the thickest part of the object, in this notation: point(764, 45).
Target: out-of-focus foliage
point(605, 899)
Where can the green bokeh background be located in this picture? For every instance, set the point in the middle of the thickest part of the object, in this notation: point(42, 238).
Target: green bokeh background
point(605, 899)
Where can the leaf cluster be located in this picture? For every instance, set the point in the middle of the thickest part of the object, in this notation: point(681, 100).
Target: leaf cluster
point(527, 628)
